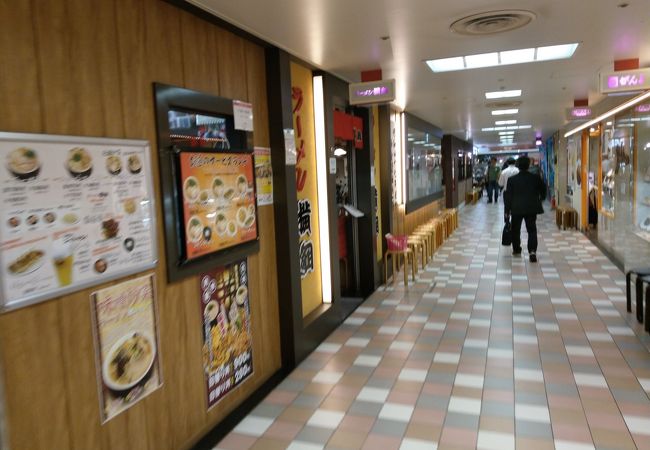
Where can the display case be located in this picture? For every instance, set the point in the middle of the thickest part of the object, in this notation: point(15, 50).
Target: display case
point(641, 119)
point(423, 165)
point(208, 180)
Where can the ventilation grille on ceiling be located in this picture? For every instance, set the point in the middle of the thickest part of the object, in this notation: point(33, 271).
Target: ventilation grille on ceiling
point(492, 22)
point(504, 104)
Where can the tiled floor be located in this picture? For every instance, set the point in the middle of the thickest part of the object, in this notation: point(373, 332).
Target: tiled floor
point(484, 351)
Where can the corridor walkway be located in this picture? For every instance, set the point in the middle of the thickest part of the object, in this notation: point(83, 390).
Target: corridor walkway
point(485, 351)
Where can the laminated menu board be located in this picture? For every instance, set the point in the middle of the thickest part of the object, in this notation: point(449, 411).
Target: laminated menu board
point(227, 341)
point(218, 191)
point(74, 212)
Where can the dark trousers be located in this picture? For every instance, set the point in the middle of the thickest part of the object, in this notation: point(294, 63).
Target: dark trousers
point(531, 228)
point(492, 186)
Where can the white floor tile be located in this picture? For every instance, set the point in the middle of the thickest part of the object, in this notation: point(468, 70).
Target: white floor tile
point(532, 413)
point(529, 375)
point(476, 343)
point(464, 405)
point(413, 375)
point(590, 380)
point(620, 331)
point(579, 350)
point(417, 444)
point(388, 330)
point(328, 348)
point(367, 361)
point(446, 358)
point(492, 440)
point(401, 346)
point(599, 337)
point(375, 395)
point(327, 377)
point(357, 342)
point(469, 380)
point(459, 316)
point(326, 419)
point(253, 426)
point(396, 411)
point(416, 318)
point(354, 321)
point(301, 445)
point(638, 425)
point(500, 353)
point(437, 326)
point(569, 445)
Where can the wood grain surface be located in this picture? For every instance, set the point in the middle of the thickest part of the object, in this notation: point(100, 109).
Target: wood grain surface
point(86, 68)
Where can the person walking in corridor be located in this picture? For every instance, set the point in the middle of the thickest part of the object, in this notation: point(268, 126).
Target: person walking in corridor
point(523, 202)
point(509, 170)
point(492, 180)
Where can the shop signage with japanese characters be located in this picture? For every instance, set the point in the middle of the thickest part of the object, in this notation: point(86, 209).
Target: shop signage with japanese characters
point(306, 187)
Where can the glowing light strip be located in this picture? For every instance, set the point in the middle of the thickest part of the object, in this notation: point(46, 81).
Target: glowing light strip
point(402, 155)
point(321, 176)
point(631, 102)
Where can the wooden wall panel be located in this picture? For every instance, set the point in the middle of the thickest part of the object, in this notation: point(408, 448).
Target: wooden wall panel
point(21, 97)
point(88, 70)
point(407, 223)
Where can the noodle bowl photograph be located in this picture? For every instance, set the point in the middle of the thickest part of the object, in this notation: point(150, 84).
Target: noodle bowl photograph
point(128, 361)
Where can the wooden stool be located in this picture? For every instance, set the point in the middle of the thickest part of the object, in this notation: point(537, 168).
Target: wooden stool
point(407, 254)
point(425, 233)
point(416, 244)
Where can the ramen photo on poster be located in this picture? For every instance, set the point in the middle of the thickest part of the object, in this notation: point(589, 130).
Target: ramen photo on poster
point(227, 342)
point(126, 343)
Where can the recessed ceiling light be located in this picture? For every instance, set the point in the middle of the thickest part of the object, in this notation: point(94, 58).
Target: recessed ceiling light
point(482, 60)
point(503, 58)
point(505, 122)
point(446, 64)
point(503, 112)
point(503, 94)
point(525, 55)
point(555, 52)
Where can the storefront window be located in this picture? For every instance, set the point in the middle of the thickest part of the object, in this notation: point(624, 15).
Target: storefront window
point(641, 120)
point(423, 165)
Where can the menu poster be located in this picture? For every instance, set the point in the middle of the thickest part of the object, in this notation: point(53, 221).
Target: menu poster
point(126, 343)
point(227, 342)
point(73, 212)
point(218, 201)
point(263, 176)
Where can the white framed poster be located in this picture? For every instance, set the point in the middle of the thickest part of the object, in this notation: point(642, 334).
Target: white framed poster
point(75, 212)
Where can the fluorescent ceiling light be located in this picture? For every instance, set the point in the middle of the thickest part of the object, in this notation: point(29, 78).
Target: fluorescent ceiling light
point(503, 58)
point(505, 122)
point(525, 55)
point(555, 52)
point(503, 94)
point(482, 60)
point(524, 127)
point(487, 129)
point(446, 64)
point(503, 112)
point(504, 133)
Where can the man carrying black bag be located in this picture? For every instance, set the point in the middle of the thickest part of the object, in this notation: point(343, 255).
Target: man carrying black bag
point(523, 202)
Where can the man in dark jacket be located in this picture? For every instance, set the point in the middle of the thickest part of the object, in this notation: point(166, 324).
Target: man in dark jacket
point(523, 201)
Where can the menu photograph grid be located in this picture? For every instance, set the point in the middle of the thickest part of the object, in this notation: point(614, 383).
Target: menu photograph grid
point(75, 212)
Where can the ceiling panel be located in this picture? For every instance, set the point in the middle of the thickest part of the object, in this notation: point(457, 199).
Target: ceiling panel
point(345, 37)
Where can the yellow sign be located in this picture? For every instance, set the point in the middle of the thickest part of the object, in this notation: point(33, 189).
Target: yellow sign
point(307, 188)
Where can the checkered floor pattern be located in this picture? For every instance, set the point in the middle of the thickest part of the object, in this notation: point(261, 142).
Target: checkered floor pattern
point(485, 351)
